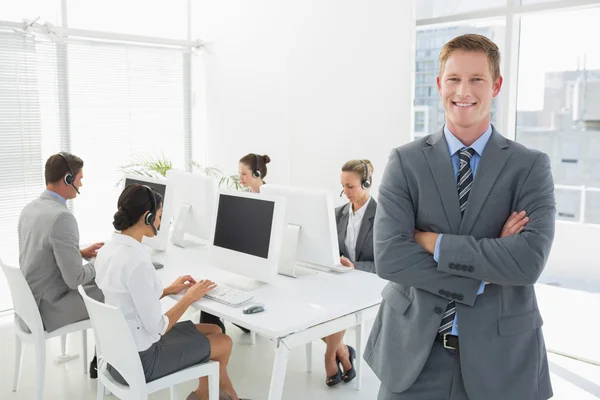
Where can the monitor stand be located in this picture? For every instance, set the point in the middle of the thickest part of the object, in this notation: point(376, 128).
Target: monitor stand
point(289, 250)
point(180, 228)
point(157, 258)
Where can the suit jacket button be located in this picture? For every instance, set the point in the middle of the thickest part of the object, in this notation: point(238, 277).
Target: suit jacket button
point(438, 310)
point(471, 268)
point(460, 296)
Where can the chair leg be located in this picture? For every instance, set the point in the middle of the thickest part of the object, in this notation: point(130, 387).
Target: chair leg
point(100, 390)
point(18, 362)
point(213, 384)
point(85, 352)
point(173, 391)
point(64, 357)
point(309, 357)
point(253, 338)
point(40, 368)
point(63, 345)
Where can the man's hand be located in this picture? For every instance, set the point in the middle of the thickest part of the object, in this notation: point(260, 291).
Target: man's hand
point(426, 240)
point(346, 262)
point(515, 224)
point(92, 251)
point(181, 283)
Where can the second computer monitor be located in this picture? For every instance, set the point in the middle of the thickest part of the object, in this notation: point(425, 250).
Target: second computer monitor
point(194, 204)
point(162, 186)
point(246, 235)
point(313, 211)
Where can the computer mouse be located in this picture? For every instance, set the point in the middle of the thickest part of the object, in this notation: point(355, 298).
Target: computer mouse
point(253, 309)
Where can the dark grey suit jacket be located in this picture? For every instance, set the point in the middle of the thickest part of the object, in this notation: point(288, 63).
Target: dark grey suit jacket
point(364, 243)
point(502, 350)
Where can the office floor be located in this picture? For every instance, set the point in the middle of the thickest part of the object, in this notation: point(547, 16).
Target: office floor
point(250, 369)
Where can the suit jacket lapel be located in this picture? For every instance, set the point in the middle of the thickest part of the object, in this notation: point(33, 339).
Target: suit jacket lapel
point(342, 228)
point(365, 226)
point(492, 163)
point(438, 157)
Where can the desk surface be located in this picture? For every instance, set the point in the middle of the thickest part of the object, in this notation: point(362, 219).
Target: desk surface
point(291, 305)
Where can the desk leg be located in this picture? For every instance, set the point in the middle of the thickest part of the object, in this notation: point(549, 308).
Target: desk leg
point(279, 368)
point(359, 360)
point(309, 357)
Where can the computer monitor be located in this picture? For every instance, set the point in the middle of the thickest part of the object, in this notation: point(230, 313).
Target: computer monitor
point(246, 236)
point(162, 186)
point(194, 198)
point(313, 211)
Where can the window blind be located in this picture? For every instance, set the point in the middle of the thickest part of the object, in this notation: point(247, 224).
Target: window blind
point(30, 131)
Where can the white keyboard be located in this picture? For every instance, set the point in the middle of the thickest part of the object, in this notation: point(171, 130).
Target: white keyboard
point(331, 268)
point(230, 296)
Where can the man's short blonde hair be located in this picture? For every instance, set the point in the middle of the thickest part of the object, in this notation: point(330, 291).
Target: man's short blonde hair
point(475, 43)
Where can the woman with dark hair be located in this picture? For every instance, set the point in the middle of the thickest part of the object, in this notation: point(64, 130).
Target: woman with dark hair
point(253, 170)
point(125, 274)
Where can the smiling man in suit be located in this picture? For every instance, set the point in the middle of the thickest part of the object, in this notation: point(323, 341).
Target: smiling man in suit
point(463, 230)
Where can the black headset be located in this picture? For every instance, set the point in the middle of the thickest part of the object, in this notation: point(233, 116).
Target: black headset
point(366, 180)
point(256, 172)
point(70, 176)
point(151, 216)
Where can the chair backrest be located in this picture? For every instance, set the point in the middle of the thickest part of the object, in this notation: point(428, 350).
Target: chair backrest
point(115, 342)
point(23, 301)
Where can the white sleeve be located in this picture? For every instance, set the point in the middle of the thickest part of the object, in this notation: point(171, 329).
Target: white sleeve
point(142, 285)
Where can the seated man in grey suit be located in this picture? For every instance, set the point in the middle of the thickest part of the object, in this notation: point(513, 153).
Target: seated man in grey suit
point(49, 254)
point(459, 318)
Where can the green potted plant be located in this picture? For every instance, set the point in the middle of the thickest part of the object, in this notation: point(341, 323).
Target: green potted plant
point(157, 167)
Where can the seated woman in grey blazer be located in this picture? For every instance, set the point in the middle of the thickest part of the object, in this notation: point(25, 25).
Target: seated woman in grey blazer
point(355, 236)
point(124, 272)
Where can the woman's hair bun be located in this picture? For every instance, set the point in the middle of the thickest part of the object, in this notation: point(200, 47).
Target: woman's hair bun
point(122, 220)
point(266, 159)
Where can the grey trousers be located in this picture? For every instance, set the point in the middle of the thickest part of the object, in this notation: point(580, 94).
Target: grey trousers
point(441, 379)
point(181, 347)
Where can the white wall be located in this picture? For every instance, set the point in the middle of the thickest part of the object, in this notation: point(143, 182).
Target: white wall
point(312, 83)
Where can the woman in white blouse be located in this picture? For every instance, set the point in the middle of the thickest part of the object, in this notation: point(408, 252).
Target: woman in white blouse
point(126, 276)
point(355, 237)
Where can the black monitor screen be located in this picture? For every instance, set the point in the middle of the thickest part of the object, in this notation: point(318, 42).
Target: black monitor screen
point(160, 188)
point(244, 225)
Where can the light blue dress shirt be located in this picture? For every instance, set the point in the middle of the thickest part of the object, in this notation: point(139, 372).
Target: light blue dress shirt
point(454, 146)
point(57, 196)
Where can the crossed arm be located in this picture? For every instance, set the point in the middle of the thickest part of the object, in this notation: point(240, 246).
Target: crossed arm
point(516, 259)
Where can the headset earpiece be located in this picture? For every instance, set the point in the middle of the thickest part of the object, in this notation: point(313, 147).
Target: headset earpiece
point(69, 177)
point(256, 172)
point(151, 216)
point(366, 181)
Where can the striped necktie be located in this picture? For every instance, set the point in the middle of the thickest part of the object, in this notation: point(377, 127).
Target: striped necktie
point(465, 181)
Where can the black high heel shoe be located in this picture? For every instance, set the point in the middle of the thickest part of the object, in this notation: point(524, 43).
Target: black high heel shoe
point(337, 378)
point(351, 373)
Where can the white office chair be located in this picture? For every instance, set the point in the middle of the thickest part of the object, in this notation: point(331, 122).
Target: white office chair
point(26, 308)
point(117, 347)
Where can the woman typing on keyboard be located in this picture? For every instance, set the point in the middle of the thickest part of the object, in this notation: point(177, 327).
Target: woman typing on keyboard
point(124, 272)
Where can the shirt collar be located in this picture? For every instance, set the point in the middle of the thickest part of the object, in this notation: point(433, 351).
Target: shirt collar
point(56, 196)
point(454, 145)
point(361, 211)
point(128, 241)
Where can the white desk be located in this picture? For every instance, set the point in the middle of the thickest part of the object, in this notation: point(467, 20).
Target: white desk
point(297, 311)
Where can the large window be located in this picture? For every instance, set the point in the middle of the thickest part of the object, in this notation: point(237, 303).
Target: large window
point(558, 107)
point(430, 41)
point(112, 100)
